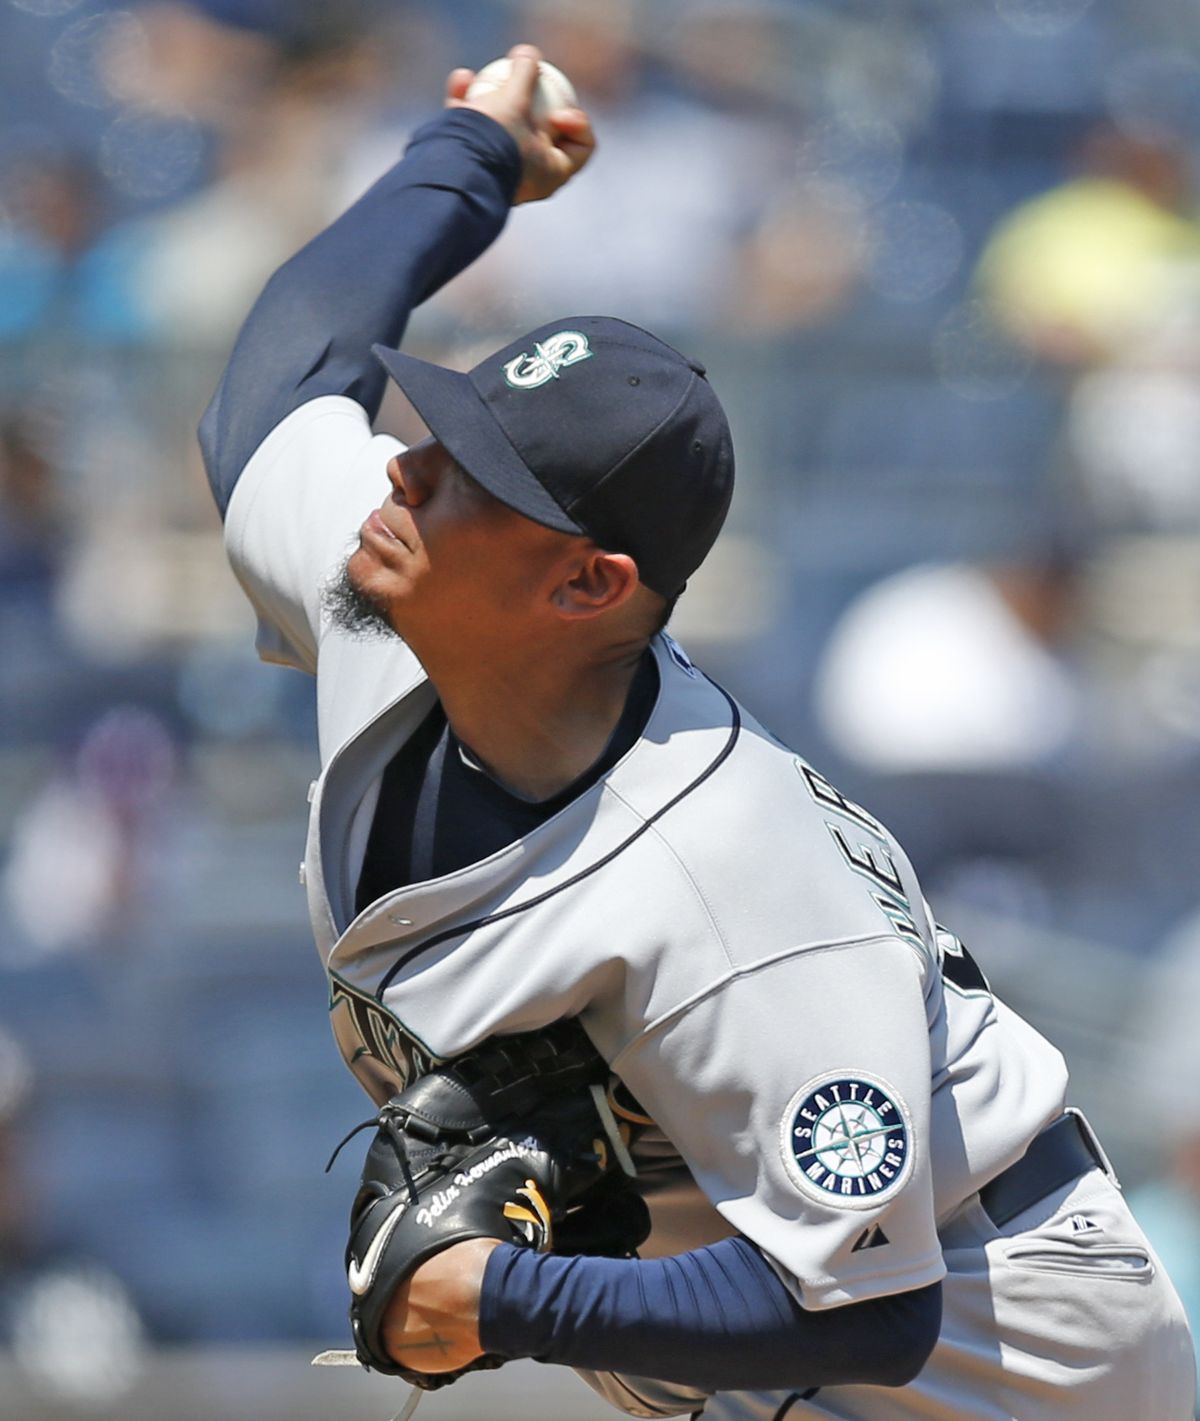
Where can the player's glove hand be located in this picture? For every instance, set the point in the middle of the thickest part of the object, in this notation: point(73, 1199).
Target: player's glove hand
point(507, 1142)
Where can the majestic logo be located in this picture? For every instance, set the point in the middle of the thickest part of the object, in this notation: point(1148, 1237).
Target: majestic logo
point(847, 1140)
point(874, 1237)
point(549, 356)
point(1081, 1224)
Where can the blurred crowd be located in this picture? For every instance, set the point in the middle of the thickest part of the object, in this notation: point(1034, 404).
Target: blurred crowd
point(943, 264)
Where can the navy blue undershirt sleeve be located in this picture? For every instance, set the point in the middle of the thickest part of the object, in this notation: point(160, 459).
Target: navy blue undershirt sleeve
point(310, 332)
point(717, 1318)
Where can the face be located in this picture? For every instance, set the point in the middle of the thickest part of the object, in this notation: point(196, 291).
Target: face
point(441, 558)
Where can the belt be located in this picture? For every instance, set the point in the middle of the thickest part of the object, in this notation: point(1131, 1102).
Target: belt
point(1061, 1153)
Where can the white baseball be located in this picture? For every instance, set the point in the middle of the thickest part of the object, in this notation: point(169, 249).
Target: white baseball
point(552, 91)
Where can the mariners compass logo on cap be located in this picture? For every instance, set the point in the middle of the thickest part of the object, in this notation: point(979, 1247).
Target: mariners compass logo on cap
point(527, 372)
point(636, 455)
point(847, 1140)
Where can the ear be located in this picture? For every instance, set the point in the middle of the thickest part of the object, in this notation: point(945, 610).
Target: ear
point(594, 583)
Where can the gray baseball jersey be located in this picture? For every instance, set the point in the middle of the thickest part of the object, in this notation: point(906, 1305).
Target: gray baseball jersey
point(825, 1068)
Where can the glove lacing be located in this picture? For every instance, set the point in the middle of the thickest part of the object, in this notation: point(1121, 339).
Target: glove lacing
point(388, 1120)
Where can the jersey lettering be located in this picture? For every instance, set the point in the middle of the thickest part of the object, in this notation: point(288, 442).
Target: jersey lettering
point(832, 798)
point(373, 1042)
point(959, 967)
point(899, 914)
point(893, 902)
point(873, 862)
point(863, 860)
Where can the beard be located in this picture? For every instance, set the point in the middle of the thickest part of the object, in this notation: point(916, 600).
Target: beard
point(352, 609)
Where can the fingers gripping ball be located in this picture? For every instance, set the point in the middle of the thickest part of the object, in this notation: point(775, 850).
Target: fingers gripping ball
point(486, 1147)
point(552, 91)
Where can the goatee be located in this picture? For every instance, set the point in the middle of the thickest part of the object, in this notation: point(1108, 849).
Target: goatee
point(353, 610)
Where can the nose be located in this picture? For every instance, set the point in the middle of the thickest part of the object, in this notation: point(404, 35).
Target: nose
point(410, 485)
point(416, 472)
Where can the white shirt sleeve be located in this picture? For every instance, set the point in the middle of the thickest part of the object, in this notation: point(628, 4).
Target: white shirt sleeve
point(295, 513)
point(798, 1093)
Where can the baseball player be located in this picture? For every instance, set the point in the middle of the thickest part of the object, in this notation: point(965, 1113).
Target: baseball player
point(868, 1198)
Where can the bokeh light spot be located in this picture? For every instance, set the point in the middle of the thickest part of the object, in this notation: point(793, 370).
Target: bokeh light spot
point(915, 250)
point(881, 73)
point(150, 154)
point(106, 1354)
point(974, 358)
point(1154, 93)
point(851, 164)
point(80, 56)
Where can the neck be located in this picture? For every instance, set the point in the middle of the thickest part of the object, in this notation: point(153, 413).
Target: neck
point(537, 722)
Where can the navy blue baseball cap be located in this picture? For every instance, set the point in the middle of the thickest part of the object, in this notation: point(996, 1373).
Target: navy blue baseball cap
point(589, 425)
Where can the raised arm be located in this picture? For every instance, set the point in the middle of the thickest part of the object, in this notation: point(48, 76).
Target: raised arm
point(310, 332)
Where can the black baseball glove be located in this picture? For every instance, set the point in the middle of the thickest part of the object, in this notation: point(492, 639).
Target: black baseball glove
point(512, 1141)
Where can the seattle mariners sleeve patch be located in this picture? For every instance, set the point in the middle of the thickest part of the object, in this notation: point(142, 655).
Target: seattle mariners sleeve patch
point(847, 1140)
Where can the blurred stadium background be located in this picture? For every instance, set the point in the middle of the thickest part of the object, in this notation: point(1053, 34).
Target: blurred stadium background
point(942, 259)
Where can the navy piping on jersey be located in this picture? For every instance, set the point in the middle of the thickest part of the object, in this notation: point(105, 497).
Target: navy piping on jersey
point(463, 815)
point(726, 750)
point(792, 1400)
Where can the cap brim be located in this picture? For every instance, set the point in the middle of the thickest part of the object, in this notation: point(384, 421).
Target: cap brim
point(462, 423)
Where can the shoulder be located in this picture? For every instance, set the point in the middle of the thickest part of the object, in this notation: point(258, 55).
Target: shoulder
point(782, 858)
point(326, 433)
point(294, 513)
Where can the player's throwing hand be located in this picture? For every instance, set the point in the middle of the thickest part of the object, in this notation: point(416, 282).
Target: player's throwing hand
point(552, 152)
